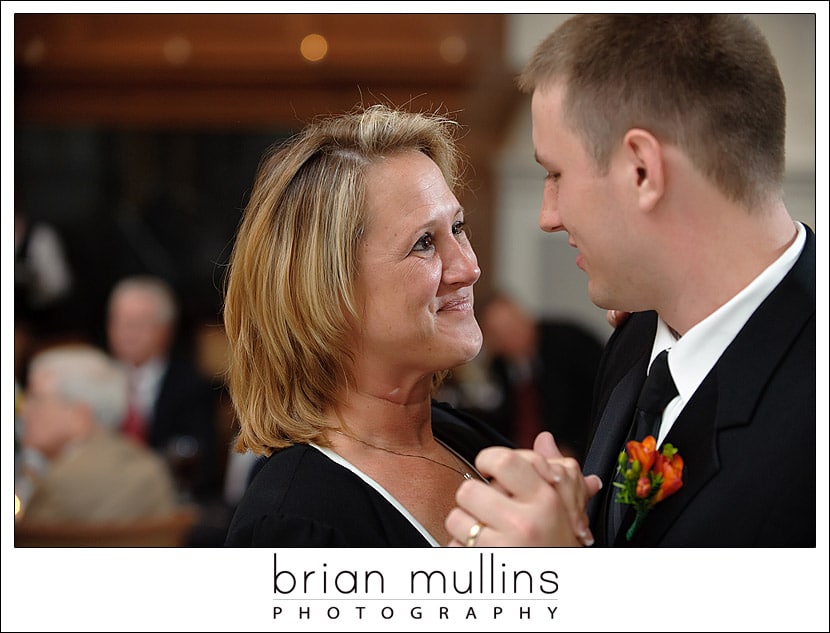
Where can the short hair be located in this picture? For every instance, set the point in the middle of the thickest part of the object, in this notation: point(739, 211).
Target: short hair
point(290, 297)
point(165, 296)
point(707, 84)
point(85, 374)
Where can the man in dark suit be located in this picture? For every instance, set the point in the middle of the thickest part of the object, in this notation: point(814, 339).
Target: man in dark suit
point(663, 140)
point(173, 407)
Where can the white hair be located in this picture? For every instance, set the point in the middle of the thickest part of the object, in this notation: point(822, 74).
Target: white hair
point(85, 374)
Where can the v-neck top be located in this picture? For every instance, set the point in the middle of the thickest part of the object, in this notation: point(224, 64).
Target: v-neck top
point(308, 496)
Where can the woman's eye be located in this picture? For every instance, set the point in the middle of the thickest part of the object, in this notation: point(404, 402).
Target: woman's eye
point(423, 244)
point(427, 240)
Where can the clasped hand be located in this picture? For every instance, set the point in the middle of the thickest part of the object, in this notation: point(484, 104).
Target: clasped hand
point(536, 498)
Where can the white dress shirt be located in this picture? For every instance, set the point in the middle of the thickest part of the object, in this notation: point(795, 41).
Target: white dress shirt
point(145, 383)
point(693, 355)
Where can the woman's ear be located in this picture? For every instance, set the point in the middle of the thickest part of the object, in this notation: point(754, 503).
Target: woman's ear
point(645, 154)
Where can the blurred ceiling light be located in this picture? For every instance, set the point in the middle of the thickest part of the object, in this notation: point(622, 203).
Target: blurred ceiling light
point(314, 47)
point(453, 49)
point(177, 50)
point(34, 51)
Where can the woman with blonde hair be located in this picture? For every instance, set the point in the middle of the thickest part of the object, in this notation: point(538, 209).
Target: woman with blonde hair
point(349, 295)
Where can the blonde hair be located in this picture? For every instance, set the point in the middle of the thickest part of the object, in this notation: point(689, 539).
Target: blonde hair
point(290, 302)
point(705, 83)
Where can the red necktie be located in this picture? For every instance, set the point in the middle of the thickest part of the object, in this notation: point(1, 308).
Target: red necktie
point(135, 426)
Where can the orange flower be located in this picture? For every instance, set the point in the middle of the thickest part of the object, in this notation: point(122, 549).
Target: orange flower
point(644, 452)
point(672, 470)
point(648, 477)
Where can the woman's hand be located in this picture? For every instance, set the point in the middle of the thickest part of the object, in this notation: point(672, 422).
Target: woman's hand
point(536, 499)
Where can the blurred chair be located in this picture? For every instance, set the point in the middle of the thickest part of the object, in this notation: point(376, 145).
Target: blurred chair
point(168, 531)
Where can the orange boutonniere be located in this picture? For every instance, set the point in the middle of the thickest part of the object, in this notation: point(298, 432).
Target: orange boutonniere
point(648, 477)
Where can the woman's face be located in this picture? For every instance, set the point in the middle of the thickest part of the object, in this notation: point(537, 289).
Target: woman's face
point(416, 273)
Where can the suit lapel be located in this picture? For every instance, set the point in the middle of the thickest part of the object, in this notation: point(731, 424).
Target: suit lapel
point(608, 440)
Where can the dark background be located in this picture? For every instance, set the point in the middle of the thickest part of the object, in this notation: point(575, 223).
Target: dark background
point(140, 201)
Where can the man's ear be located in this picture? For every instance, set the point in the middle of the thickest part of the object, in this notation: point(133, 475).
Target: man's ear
point(645, 154)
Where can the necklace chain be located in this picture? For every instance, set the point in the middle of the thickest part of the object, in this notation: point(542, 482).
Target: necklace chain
point(463, 473)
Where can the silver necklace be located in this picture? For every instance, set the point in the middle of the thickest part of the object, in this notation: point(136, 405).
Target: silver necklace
point(463, 473)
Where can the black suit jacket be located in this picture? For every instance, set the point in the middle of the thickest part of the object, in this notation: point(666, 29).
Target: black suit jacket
point(301, 498)
point(747, 436)
point(186, 407)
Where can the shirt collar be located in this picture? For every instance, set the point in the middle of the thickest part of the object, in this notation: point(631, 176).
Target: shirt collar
point(694, 354)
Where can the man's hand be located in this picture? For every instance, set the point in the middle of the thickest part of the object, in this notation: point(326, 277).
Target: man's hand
point(536, 498)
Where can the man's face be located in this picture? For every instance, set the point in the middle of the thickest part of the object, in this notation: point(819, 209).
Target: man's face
point(135, 330)
point(50, 420)
point(578, 198)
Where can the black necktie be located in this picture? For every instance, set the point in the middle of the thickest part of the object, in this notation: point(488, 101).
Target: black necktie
point(659, 389)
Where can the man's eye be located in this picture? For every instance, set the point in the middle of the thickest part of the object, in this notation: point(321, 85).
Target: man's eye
point(459, 228)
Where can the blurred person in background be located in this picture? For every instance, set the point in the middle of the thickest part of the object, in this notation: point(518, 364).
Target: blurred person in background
point(544, 372)
point(71, 411)
point(43, 276)
point(44, 313)
point(173, 407)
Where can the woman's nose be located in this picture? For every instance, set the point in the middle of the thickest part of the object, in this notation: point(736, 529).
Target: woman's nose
point(461, 265)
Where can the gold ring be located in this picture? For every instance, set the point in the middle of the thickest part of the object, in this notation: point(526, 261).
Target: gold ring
point(472, 535)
